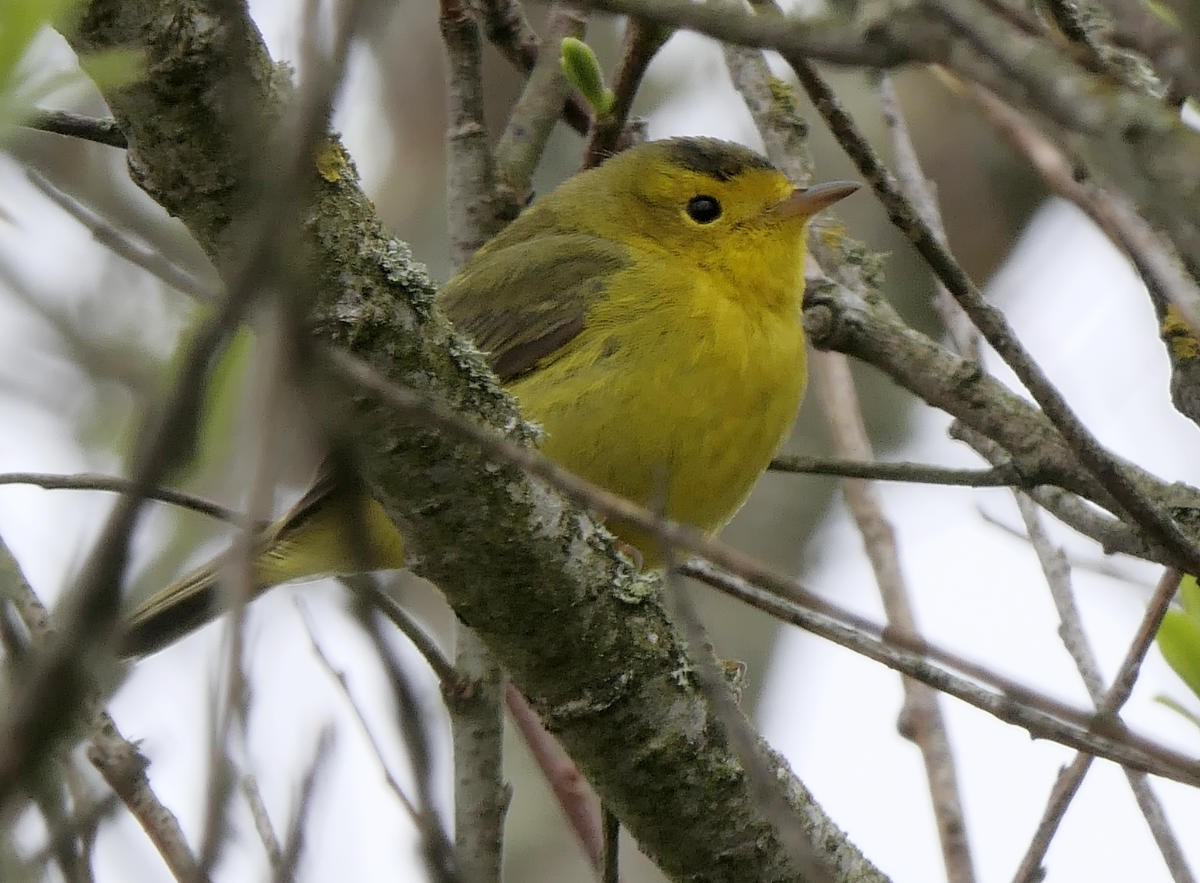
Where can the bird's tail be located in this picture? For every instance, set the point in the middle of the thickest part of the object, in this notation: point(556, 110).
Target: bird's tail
point(331, 530)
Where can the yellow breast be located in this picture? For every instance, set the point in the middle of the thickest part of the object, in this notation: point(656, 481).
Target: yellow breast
point(678, 392)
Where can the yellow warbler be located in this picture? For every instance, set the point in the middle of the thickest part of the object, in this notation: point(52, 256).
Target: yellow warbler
point(646, 313)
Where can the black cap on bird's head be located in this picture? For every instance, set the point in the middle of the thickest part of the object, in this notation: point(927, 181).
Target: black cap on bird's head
point(719, 160)
point(723, 162)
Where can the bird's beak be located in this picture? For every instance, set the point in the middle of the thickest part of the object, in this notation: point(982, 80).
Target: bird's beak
point(807, 201)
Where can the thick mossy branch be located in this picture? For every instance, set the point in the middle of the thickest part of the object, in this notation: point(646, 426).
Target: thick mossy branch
point(582, 636)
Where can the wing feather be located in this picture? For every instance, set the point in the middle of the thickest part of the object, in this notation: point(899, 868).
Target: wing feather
point(522, 301)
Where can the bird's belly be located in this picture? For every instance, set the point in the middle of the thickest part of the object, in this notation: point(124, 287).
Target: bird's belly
point(684, 427)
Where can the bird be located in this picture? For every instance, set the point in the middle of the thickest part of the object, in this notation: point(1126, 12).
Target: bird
point(646, 313)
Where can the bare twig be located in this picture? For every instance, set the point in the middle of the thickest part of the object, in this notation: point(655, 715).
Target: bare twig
point(537, 110)
point(509, 30)
point(76, 125)
point(124, 769)
point(1155, 259)
point(262, 821)
point(339, 678)
point(81, 826)
point(91, 609)
point(1058, 577)
point(94, 481)
point(286, 360)
point(477, 719)
point(1112, 534)
point(641, 42)
point(1153, 518)
point(470, 176)
point(612, 848)
point(481, 796)
point(570, 788)
point(912, 473)
point(1109, 704)
point(1042, 716)
point(918, 188)
point(1101, 566)
point(293, 848)
point(119, 761)
point(440, 856)
point(921, 718)
point(120, 243)
point(1053, 561)
point(368, 588)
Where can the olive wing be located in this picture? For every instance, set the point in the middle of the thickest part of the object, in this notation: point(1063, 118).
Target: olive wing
point(524, 301)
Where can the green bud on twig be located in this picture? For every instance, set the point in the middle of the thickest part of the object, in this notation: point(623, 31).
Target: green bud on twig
point(582, 68)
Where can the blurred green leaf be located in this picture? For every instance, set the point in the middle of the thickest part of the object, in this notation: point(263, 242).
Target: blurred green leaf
point(1179, 642)
point(113, 68)
point(216, 424)
point(1189, 596)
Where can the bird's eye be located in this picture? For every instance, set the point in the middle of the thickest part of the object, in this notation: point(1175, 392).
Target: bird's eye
point(703, 209)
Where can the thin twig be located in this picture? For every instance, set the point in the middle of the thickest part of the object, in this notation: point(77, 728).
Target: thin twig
point(470, 175)
point(262, 821)
point(293, 847)
point(508, 29)
point(286, 352)
point(1053, 561)
point(339, 678)
point(81, 826)
point(640, 44)
point(476, 715)
point(1156, 260)
point(1108, 705)
point(124, 769)
point(119, 761)
point(121, 244)
point(439, 852)
point(1097, 565)
point(76, 125)
point(533, 116)
point(368, 588)
point(1112, 534)
point(1058, 577)
point(95, 481)
point(90, 611)
point(612, 848)
point(570, 788)
point(1042, 716)
point(921, 717)
point(912, 473)
point(917, 187)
